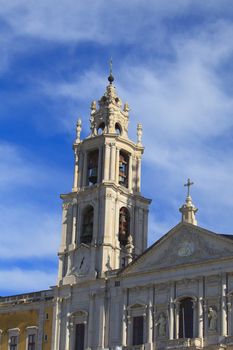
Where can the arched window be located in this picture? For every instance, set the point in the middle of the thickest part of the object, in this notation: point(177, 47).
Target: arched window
point(124, 226)
point(118, 129)
point(186, 318)
point(101, 128)
point(93, 167)
point(123, 168)
point(87, 225)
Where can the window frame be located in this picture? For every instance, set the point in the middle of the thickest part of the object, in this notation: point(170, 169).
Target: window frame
point(31, 331)
point(135, 310)
point(13, 332)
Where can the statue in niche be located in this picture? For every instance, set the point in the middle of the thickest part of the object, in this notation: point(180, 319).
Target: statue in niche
point(124, 226)
point(161, 324)
point(212, 317)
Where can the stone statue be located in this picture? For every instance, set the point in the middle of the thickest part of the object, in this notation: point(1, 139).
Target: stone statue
point(212, 317)
point(161, 324)
point(139, 134)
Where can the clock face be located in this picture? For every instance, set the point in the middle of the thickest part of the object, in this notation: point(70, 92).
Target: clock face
point(82, 263)
point(186, 249)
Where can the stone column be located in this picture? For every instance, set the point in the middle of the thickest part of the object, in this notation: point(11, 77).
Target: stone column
point(229, 314)
point(75, 185)
point(171, 320)
point(80, 169)
point(124, 319)
point(195, 317)
point(113, 161)
point(67, 341)
point(117, 165)
point(60, 266)
point(150, 318)
point(223, 306)
point(130, 173)
point(100, 165)
point(84, 178)
point(85, 333)
point(90, 321)
point(138, 174)
point(129, 329)
point(200, 309)
point(171, 312)
point(106, 162)
point(57, 323)
point(177, 319)
point(101, 320)
point(74, 223)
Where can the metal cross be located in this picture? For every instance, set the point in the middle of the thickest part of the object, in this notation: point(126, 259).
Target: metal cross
point(188, 184)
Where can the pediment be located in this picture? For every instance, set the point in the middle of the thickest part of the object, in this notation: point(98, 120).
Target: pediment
point(184, 244)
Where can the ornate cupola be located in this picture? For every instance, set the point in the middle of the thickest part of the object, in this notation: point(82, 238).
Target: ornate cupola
point(105, 216)
point(109, 118)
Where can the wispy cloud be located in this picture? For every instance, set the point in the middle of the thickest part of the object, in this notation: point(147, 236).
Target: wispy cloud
point(23, 281)
point(27, 228)
point(28, 231)
point(19, 167)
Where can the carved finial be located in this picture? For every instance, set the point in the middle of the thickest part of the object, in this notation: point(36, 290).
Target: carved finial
point(78, 130)
point(126, 107)
point(93, 106)
point(111, 77)
point(139, 134)
point(188, 209)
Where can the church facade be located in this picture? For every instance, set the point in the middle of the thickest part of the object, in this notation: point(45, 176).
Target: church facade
point(112, 291)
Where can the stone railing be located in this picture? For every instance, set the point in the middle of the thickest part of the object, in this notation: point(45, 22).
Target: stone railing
point(184, 343)
point(135, 347)
point(27, 298)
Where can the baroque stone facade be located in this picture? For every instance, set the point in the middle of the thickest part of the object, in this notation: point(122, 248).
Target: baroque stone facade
point(112, 291)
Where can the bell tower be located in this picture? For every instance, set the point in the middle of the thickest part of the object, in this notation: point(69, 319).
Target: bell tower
point(104, 221)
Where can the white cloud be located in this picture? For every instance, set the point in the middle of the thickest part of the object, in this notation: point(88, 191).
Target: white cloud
point(27, 228)
point(97, 21)
point(134, 22)
point(23, 281)
point(28, 231)
point(19, 167)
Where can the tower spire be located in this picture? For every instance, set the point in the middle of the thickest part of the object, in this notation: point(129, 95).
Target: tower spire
point(188, 209)
point(111, 77)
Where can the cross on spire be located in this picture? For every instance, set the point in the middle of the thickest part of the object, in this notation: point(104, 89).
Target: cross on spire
point(188, 184)
point(110, 66)
point(111, 77)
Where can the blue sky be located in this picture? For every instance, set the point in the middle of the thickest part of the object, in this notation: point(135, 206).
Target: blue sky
point(172, 63)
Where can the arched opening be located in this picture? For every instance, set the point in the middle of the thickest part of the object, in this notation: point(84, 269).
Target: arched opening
point(101, 128)
point(87, 225)
point(124, 226)
point(92, 170)
point(123, 168)
point(118, 129)
point(186, 318)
